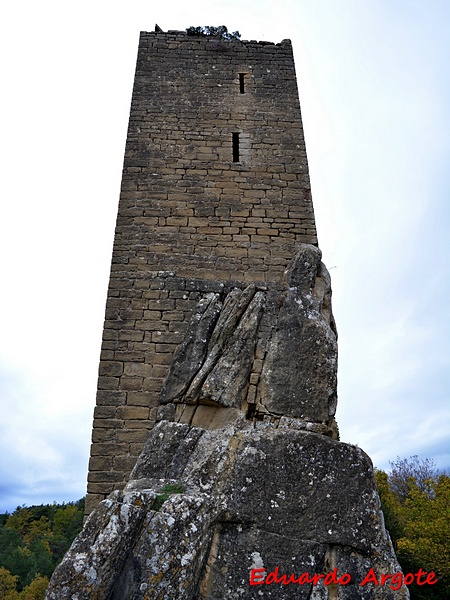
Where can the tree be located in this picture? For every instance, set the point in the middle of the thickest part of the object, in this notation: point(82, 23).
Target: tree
point(415, 499)
point(68, 521)
point(37, 529)
point(19, 520)
point(391, 507)
point(36, 589)
point(8, 585)
point(405, 472)
point(425, 543)
point(32, 542)
point(221, 32)
point(9, 541)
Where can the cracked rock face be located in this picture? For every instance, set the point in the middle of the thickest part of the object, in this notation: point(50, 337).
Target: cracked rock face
point(252, 498)
point(243, 477)
point(269, 353)
point(299, 373)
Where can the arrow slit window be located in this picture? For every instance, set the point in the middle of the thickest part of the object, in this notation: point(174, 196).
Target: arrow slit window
point(235, 140)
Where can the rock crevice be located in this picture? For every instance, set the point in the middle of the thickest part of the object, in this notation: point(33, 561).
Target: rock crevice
point(243, 469)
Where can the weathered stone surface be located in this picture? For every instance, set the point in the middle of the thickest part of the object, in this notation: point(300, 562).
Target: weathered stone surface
point(226, 382)
point(247, 389)
point(191, 221)
point(300, 370)
point(247, 436)
point(230, 561)
point(90, 569)
point(168, 556)
point(298, 351)
point(251, 498)
point(213, 417)
point(234, 306)
point(190, 355)
point(216, 362)
point(168, 451)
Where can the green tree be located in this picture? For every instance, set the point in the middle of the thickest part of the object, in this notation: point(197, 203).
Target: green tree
point(425, 543)
point(36, 589)
point(9, 541)
point(221, 32)
point(8, 585)
point(391, 506)
point(37, 529)
point(415, 499)
point(68, 521)
point(33, 541)
point(20, 520)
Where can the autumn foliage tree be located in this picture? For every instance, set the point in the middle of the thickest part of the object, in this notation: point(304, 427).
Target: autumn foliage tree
point(32, 542)
point(415, 498)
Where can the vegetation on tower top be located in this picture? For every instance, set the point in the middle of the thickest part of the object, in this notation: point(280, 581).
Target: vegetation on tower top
point(221, 32)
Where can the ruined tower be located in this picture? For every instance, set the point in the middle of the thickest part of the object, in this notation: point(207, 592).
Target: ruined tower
point(215, 190)
point(215, 462)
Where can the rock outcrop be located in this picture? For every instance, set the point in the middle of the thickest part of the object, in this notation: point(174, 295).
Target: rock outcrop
point(243, 489)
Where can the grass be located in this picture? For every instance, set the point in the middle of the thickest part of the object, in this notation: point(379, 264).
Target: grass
point(166, 491)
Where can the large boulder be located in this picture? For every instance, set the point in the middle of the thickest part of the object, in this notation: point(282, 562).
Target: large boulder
point(249, 499)
point(300, 369)
point(243, 489)
point(295, 372)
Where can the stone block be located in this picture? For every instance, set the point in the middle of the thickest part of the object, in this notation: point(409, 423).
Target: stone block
point(107, 424)
point(132, 436)
point(100, 463)
point(137, 424)
point(105, 476)
point(151, 384)
point(103, 448)
point(105, 412)
point(93, 499)
point(211, 417)
point(124, 464)
point(108, 383)
point(152, 315)
point(139, 398)
point(110, 368)
point(131, 383)
point(133, 412)
point(137, 369)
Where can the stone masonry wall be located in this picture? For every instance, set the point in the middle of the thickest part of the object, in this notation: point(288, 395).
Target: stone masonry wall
point(215, 195)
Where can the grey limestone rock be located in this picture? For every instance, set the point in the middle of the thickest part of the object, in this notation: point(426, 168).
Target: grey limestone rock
point(242, 480)
point(90, 568)
point(223, 354)
point(227, 380)
point(277, 499)
point(300, 370)
point(295, 373)
point(191, 353)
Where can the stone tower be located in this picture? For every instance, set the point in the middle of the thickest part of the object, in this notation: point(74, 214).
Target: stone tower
point(215, 193)
point(215, 462)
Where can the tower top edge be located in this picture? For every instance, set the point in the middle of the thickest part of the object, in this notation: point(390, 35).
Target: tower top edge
point(181, 35)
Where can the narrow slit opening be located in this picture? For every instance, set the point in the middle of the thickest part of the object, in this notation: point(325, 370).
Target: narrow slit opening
point(241, 82)
point(235, 139)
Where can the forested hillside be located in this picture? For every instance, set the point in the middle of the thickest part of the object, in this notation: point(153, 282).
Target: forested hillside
point(32, 542)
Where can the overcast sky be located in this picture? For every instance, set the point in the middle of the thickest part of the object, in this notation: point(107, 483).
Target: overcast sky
point(374, 84)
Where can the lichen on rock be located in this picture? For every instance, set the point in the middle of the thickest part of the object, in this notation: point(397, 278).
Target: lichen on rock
point(242, 471)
